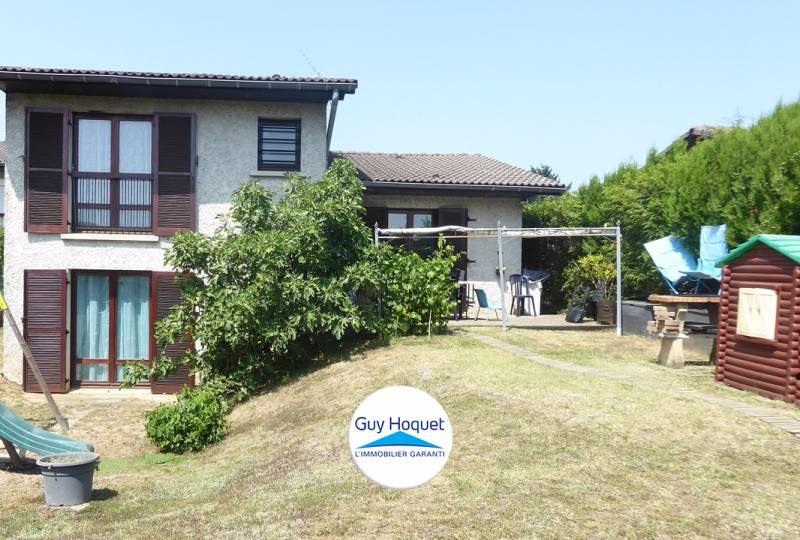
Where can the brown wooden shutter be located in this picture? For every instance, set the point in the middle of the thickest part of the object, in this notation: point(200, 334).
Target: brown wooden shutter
point(46, 171)
point(456, 216)
point(165, 293)
point(375, 214)
point(174, 204)
point(45, 327)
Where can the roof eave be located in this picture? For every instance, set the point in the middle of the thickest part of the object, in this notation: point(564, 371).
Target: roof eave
point(77, 83)
point(526, 191)
point(752, 243)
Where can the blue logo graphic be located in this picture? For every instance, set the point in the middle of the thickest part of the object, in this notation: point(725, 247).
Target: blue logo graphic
point(399, 438)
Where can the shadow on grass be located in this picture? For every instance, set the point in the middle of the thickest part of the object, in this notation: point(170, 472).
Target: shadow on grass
point(29, 467)
point(104, 494)
point(300, 365)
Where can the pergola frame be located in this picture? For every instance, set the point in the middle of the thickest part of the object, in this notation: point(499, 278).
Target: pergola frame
point(500, 232)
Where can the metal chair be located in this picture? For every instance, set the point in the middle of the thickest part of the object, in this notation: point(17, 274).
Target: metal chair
point(519, 293)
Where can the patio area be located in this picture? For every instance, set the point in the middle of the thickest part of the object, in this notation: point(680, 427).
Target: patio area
point(540, 322)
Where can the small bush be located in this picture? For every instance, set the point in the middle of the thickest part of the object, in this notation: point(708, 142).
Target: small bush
point(416, 292)
point(197, 420)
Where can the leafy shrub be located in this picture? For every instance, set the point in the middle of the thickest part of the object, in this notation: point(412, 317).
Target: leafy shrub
point(278, 281)
point(416, 292)
point(595, 270)
point(273, 284)
point(198, 419)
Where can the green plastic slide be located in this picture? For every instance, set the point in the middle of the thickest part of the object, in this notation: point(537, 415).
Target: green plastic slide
point(33, 439)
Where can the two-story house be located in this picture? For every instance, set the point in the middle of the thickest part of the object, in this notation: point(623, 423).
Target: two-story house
point(102, 168)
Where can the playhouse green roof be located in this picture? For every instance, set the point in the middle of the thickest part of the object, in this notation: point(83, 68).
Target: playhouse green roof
point(785, 244)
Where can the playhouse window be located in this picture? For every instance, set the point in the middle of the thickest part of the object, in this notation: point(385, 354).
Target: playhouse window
point(757, 313)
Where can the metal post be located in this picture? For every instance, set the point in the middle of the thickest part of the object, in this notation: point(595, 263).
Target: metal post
point(619, 279)
point(375, 232)
point(502, 275)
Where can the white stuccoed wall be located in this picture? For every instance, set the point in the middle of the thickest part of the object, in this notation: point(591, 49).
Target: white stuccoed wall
point(486, 212)
point(227, 151)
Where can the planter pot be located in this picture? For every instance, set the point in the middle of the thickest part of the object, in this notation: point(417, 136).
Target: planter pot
point(68, 477)
point(606, 312)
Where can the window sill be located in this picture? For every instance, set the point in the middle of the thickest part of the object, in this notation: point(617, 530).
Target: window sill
point(111, 237)
point(271, 174)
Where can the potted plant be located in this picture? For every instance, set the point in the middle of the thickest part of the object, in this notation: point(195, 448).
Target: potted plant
point(68, 477)
point(601, 273)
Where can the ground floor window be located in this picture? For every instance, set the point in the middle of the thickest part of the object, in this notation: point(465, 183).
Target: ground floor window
point(406, 219)
point(111, 314)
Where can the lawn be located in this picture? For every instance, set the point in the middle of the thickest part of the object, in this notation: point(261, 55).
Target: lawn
point(538, 452)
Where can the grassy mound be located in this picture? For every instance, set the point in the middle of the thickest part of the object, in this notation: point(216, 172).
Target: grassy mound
point(537, 452)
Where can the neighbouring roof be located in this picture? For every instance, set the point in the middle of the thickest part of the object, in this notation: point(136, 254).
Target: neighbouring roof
point(2, 151)
point(445, 170)
point(147, 83)
point(696, 134)
point(785, 244)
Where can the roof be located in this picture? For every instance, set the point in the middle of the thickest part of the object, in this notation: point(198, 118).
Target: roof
point(787, 245)
point(445, 170)
point(146, 83)
point(2, 151)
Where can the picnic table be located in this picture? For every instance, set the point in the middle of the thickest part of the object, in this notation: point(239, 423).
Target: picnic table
point(670, 316)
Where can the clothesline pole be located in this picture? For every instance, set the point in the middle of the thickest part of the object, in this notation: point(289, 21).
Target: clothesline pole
point(619, 279)
point(502, 274)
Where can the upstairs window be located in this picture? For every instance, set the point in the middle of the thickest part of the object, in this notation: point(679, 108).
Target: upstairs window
point(114, 181)
point(278, 145)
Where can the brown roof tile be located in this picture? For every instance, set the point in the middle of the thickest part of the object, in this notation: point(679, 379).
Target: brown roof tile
point(450, 169)
point(156, 75)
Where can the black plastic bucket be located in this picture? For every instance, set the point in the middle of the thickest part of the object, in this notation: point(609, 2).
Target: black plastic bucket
point(68, 477)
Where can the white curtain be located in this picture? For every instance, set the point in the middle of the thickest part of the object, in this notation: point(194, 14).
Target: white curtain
point(135, 146)
point(94, 145)
point(91, 325)
point(133, 318)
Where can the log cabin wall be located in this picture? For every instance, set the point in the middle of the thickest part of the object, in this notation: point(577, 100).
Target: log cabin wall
point(769, 367)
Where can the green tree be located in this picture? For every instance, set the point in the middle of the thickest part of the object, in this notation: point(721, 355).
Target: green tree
point(748, 178)
point(274, 283)
point(544, 170)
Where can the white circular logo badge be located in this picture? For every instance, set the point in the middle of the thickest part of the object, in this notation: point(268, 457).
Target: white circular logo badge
point(400, 437)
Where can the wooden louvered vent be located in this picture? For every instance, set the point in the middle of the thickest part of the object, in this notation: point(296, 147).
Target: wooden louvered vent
point(46, 171)
point(175, 180)
point(45, 327)
point(166, 292)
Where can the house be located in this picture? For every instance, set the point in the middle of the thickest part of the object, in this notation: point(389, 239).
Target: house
point(430, 190)
point(102, 168)
point(2, 184)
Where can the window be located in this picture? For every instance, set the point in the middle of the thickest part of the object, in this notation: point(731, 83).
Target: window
point(113, 186)
point(756, 313)
point(406, 219)
point(278, 145)
point(111, 324)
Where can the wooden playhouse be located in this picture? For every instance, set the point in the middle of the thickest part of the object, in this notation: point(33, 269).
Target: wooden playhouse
point(759, 317)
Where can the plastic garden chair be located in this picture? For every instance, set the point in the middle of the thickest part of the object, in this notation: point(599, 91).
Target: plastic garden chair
point(536, 279)
point(674, 262)
point(483, 302)
point(519, 293)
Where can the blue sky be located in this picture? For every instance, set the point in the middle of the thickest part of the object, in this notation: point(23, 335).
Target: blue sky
point(581, 86)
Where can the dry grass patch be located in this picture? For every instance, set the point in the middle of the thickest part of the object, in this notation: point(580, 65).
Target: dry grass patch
point(632, 355)
point(537, 452)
